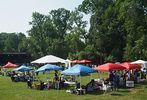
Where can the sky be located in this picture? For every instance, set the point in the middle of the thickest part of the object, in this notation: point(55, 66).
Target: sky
point(16, 14)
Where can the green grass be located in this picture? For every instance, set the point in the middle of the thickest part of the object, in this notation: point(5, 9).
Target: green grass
point(18, 91)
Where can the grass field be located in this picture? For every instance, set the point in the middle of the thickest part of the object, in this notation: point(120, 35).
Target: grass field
point(18, 91)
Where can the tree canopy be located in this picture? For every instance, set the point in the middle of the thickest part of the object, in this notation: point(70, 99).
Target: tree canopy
point(117, 32)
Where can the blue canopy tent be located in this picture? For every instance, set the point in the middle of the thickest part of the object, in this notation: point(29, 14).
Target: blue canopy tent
point(48, 67)
point(78, 70)
point(22, 68)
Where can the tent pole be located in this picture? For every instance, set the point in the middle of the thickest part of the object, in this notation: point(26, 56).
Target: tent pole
point(91, 76)
point(80, 82)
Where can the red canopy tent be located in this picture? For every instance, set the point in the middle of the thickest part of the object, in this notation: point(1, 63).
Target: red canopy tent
point(130, 66)
point(85, 61)
point(10, 65)
point(109, 67)
point(81, 61)
point(75, 61)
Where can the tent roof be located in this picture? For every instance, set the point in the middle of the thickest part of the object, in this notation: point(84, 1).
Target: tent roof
point(48, 67)
point(130, 66)
point(78, 70)
point(81, 61)
point(139, 62)
point(22, 68)
point(10, 65)
point(109, 67)
point(49, 59)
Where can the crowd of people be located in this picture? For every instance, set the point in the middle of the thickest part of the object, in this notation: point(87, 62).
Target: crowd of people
point(58, 82)
point(115, 80)
point(118, 79)
point(21, 76)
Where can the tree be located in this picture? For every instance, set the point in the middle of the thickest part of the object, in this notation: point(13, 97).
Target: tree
point(60, 20)
point(135, 24)
point(23, 43)
point(76, 37)
point(105, 30)
point(54, 33)
point(47, 32)
point(13, 42)
point(118, 27)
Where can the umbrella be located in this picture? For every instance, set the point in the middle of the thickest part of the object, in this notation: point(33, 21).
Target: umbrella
point(22, 68)
point(10, 65)
point(78, 70)
point(109, 67)
point(130, 66)
point(48, 67)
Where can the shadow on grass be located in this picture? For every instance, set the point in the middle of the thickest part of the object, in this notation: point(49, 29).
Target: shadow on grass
point(143, 83)
point(124, 90)
point(116, 94)
point(95, 92)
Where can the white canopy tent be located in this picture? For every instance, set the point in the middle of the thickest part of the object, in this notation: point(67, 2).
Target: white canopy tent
point(142, 62)
point(139, 62)
point(48, 59)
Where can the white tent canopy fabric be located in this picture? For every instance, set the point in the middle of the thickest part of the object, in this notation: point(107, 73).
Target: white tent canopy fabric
point(142, 62)
point(139, 62)
point(49, 59)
